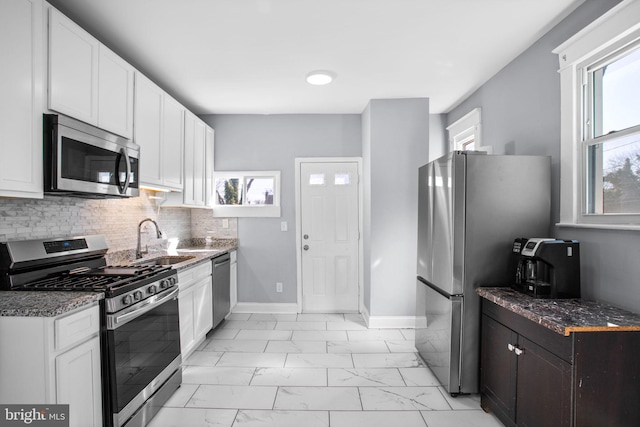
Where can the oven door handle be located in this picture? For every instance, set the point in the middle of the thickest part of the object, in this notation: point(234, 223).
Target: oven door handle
point(114, 321)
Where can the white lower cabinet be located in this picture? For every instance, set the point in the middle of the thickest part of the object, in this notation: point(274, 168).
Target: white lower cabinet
point(77, 382)
point(54, 360)
point(195, 304)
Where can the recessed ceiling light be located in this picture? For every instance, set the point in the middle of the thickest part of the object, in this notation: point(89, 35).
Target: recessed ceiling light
point(320, 77)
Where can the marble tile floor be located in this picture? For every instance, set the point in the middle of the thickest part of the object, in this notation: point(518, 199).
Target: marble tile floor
point(312, 370)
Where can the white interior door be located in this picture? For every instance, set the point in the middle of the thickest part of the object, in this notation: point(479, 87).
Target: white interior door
point(329, 236)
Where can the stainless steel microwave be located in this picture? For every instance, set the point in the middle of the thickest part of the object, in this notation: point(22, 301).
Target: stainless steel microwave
point(84, 161)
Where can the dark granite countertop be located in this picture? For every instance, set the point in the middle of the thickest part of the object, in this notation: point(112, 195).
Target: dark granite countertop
point(564, 316)
point(44, 303)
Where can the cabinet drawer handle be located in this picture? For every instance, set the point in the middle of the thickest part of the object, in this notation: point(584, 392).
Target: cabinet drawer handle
point(511, 347)
point(518, 351)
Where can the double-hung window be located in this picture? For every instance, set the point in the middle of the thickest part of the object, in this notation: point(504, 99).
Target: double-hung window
point(611, 135)
point(600, 131)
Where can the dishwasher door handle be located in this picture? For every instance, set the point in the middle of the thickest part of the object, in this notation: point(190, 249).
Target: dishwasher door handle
point(221, 263)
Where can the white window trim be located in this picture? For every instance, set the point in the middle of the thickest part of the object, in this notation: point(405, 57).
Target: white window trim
point(271, 211)
point(467, 127)
point(616, 28)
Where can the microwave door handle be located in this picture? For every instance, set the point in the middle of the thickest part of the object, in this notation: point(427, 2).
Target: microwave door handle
point(123, 188)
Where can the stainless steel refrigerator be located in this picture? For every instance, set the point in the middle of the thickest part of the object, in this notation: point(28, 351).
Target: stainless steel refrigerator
point(471, 207)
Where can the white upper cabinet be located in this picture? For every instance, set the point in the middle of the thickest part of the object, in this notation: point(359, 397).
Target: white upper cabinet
point(115, 93)
point(148, 130)
point(21, 102)
point(87, 81)
point(159, 132)
point(172, 143)
point(73, 69)
point(209, 183)
point(198, 164)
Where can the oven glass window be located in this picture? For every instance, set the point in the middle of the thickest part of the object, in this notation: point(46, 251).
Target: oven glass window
point(143, 348)
point(85, 162)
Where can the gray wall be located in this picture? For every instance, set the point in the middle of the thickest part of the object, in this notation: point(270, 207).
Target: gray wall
point(267, 255)
point(395, 144)
point(521, 115)
point(438, 142)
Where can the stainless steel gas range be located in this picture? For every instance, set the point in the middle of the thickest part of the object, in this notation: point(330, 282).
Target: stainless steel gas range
point(140, 331)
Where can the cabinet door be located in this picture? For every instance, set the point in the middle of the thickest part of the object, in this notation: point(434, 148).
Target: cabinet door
point(199, 163)
point(148, 129)
point(498, 368)
point(203, 307)
point(21, 83)
point(73, 69)
point(78, 383)
point(189, 197)
point(187, 321)
point(172, 143)
point(115, 94)
point(209, 189)
point(544, 387)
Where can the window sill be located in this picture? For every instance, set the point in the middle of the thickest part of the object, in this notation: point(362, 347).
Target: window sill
point(246, 211)
point(622, 227)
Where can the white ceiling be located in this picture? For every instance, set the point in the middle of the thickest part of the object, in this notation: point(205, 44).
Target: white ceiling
point(252, 56)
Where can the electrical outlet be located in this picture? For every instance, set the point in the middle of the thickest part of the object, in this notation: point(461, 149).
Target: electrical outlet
point(279, 287)
point(225, 222)
point(284, 226)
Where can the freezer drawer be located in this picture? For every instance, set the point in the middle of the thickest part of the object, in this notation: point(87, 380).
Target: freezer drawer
point(438, 333)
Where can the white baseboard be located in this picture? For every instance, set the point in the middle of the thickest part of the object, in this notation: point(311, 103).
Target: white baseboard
point(372, 322)
point(268, 308)
point(388, 322)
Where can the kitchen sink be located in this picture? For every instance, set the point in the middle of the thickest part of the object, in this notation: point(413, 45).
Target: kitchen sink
point(169, 260)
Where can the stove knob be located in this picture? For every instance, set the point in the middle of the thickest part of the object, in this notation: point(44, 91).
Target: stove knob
point(128, 299)
point(137, 295)
point(152, 289)
point(164, 284)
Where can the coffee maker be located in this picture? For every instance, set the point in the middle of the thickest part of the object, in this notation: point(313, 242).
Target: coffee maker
point(545, 267)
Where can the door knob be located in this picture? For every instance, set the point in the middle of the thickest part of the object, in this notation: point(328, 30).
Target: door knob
point(305, 237)
point(305, 247)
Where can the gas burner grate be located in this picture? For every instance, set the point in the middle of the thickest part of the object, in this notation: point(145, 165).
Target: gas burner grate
point(113, 280)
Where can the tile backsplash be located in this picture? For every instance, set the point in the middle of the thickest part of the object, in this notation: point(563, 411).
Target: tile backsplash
point(116, 219)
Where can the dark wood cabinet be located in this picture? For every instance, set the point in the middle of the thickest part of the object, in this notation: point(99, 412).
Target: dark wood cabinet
point(532, 376)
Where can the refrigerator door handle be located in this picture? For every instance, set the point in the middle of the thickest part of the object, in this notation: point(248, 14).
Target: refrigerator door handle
point(437, 289)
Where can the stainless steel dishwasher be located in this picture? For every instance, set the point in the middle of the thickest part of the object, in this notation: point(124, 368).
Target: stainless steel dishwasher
point(221, 287)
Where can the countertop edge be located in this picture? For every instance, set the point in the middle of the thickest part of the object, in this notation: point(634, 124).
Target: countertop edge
point(45, 303)
point(551, 316)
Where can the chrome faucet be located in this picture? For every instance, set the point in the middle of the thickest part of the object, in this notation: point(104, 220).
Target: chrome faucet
point(158, 234)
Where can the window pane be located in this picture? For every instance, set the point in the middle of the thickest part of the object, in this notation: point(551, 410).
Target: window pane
point(469, 146)
point(342, 179)
point(616, 95)
point(228, 191)
point(615, 169)
point(260, 191)
point(316, 179)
